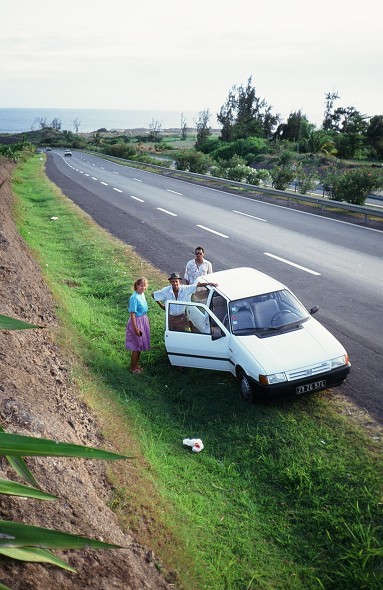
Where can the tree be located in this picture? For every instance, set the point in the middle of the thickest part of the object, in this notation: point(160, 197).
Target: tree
point(328, 122)
point(155, 130)
point(203, 128)
point(374, 135)
point(183, 127)
point(76, 124)
point(245, 115)
point(296, 129)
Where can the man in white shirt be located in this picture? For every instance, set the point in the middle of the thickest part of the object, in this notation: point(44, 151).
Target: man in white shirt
point(175, 291)
point(197, 267)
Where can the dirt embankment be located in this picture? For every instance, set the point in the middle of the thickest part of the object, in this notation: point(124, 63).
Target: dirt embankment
point(38, 398)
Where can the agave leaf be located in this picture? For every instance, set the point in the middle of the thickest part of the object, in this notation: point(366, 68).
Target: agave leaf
point(4, 587)
point(33, 554)
point(7, 323)
point(13, 488)
point(21, 468)
point(21, 446)
point(16, 534)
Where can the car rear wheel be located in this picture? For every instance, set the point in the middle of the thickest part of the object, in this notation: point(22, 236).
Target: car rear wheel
point(247, 389)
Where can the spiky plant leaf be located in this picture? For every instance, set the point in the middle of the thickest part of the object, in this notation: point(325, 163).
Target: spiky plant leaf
point(17, 445)
point(17, 534)
point(13, 488)
point(34, 554)
point(4, 587)
point(7, 323)
point(21, 468)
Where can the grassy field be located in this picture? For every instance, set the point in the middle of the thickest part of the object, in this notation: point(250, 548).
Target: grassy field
point(284, 496)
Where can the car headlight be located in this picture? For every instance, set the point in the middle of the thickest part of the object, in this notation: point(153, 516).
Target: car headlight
point(271, 379)
point(340, 361)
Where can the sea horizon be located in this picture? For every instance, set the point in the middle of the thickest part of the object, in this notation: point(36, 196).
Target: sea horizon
point(19, 120)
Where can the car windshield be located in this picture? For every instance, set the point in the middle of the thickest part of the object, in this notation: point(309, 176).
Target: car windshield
point(268, 312)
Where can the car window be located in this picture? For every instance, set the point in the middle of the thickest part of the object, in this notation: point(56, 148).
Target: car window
point(266, 312)
point(218, 306)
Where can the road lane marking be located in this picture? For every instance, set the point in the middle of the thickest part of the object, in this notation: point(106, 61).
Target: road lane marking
point(247, 215)
point(94, 178)
point(166, 211)
point(86, 174)
point(174, 192)
point(114, 172)
point(137, 199)
point(312, 272)
point(137, 179)
point(212, 231)
point(117, 189)
point(104, 183)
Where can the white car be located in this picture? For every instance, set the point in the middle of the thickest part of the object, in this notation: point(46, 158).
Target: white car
point(254, 327)
point(67, 153)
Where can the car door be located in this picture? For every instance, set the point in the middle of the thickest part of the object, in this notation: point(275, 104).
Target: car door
point(204, 344)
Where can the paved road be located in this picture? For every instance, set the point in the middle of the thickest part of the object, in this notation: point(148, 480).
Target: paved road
point(336, 265)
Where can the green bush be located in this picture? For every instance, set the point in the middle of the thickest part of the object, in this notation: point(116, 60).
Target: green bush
point(282, 176)
point(192, 161)
point(248, 149)
point(120, 150)
point(353, 186)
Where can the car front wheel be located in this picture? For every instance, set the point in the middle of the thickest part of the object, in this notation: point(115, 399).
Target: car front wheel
point(247, 389)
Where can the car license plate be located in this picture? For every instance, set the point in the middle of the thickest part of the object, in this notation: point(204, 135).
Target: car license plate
point(310, 386)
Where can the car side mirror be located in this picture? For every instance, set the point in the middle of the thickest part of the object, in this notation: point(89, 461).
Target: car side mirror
point(314, 310)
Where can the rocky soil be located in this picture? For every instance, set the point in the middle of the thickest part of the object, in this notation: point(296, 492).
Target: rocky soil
point(38, 398)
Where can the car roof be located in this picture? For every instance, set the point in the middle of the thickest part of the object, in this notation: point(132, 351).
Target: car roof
point(237, 283)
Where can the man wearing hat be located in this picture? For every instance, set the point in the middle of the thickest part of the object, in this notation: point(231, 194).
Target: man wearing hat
point(175, 291)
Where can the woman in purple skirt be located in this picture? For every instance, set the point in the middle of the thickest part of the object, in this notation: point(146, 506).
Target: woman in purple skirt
point(138, 329)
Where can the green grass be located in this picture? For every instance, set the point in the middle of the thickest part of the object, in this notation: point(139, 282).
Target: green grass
point(284, 496)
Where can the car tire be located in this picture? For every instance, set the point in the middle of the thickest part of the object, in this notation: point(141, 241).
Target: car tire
point(247, 389)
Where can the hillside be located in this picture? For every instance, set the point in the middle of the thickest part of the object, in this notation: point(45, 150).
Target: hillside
point(38, 398)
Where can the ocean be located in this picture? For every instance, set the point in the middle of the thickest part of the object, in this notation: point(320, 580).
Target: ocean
point(19, 120)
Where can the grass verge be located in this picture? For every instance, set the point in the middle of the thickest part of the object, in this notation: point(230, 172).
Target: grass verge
point(284, 496)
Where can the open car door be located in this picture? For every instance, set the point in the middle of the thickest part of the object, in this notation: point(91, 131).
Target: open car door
point(204, 341)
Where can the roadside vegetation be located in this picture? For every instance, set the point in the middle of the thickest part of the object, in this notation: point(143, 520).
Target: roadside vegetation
point(284, 495)
point(252, 145)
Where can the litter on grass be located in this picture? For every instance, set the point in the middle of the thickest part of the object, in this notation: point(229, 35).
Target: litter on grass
point(196, 444)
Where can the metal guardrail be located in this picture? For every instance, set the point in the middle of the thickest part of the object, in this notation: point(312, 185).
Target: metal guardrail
point(290, 196)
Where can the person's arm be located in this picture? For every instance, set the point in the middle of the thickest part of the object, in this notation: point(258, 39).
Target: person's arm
point(134, 324)
point(162, 306)
point(186, 275)
point(205, 284)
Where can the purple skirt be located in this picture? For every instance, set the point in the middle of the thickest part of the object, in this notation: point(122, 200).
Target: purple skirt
point(134, 342)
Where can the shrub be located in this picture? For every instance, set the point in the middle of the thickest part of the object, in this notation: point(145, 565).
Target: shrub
point(192, 161)
point(282, 176)
point(306, 181)
point(353, 186)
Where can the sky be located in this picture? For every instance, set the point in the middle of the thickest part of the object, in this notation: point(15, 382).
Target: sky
point(186, 56)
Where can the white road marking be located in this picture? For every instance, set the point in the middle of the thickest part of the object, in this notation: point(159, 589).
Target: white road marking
point(212, 231)
point(168, 212)
point(114, 172)
point(117, 189)
point(94, 178)
point(104, 183)
point(312, 272)
point(137, 179)
point(247, 215)
point(86, 174)
point(81, 172)
point(137, 199)
point(174, 192)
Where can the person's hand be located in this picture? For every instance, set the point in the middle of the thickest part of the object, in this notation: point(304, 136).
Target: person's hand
point(138, 332)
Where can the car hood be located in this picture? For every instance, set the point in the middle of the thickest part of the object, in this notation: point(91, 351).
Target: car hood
point(309, 345)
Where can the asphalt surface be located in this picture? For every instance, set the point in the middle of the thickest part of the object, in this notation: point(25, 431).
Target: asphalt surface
point(335, 265)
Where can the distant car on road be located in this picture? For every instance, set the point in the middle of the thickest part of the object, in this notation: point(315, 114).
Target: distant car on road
point(252, 326)
point(48, 149)
point(67, 153)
